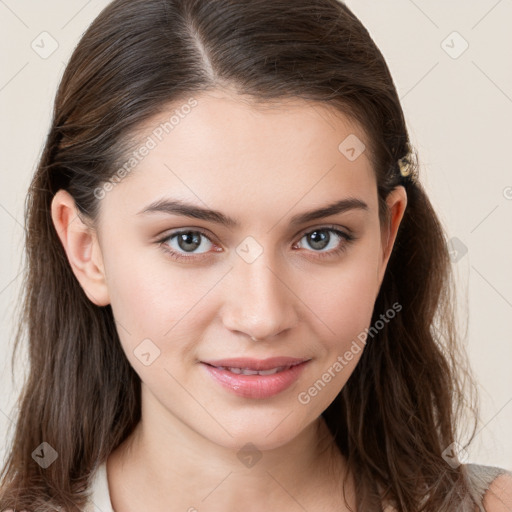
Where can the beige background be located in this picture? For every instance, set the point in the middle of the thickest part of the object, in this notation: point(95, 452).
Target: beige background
point(458, 106)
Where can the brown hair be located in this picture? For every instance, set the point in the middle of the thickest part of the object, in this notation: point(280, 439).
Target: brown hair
point(400, 408)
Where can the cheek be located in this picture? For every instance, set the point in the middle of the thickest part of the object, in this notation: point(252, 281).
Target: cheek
point(343, 296)
point(345, 305)
point(146, 300)
point(156, 300)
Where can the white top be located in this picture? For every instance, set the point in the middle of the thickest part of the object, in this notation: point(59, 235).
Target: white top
point(100, 497)
point(480, 476)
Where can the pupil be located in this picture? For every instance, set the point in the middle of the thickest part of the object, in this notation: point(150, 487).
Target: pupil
point(319, 241)
point(189, 238)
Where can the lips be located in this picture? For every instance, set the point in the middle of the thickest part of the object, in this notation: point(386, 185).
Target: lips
point(253, 378)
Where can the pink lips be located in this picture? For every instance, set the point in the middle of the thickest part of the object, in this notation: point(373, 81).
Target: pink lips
point(232, 374)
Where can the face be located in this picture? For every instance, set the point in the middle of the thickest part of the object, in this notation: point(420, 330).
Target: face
point(189, 290)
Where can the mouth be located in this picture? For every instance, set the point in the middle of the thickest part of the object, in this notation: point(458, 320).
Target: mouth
point(251, 378)
point(256, 365)
point(248, 371)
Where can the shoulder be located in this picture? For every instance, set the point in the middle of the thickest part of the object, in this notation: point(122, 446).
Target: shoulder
point(491, 486)
point(498, 497)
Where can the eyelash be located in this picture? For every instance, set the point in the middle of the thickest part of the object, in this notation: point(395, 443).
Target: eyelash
point(320, 254)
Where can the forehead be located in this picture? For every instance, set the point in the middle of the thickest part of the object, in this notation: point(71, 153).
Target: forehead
point(226, 151)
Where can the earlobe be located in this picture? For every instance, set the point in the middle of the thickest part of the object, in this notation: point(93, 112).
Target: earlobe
point(80, 242)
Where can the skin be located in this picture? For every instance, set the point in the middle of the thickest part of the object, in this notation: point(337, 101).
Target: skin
point(261, 166)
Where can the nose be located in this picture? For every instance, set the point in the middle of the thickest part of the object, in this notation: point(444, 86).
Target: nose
point(259, 300)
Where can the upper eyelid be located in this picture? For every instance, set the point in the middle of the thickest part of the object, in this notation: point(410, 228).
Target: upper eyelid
point(326, 227)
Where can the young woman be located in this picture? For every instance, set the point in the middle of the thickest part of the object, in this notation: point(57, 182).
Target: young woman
point(238, 293)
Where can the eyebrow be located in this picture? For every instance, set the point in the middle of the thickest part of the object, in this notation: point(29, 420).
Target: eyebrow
point(179, 207)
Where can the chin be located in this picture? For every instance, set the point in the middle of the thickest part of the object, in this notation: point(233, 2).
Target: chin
point(264, 434)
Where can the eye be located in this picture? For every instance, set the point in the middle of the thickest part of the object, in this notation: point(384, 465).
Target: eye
point(189, 244)
point(186, 242)
point(322, 241)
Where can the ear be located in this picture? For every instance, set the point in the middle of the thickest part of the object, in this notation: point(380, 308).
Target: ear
point(82, 248)
point(397, 202)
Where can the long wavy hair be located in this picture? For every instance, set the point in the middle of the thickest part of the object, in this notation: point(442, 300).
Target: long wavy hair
point(412, 389)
